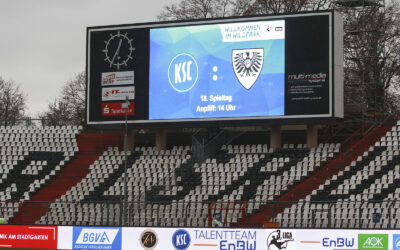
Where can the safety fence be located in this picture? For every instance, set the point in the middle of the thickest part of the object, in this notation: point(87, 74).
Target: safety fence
point(172, 238)
point(303, 214)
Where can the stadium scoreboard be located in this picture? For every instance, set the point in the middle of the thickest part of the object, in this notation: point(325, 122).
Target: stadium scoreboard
point(234, 69)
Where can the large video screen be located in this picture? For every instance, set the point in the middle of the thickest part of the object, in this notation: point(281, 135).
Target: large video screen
point(225, 70)
point(219, 70)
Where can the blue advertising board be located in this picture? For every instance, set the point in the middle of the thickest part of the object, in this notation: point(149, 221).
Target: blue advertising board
point(97, 238)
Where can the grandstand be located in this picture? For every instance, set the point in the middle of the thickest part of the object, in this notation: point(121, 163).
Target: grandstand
point(64, 176)
point(167, 153)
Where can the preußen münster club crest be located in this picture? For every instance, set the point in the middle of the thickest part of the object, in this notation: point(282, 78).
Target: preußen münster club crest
point(247, 64)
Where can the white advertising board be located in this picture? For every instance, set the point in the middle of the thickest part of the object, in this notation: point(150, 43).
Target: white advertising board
point(226, 238)
point(117, 78)
point(118, 93)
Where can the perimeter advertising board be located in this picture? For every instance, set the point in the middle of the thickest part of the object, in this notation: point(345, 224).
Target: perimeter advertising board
point(251, 239)
point(258, 68)
point(43, 237)
point(117, 238)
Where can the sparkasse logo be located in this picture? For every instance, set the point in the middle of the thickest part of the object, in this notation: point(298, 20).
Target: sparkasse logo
point(373, 241)
point(96, 238)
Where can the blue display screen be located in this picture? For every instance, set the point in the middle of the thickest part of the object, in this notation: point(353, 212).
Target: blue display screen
point(217, 70)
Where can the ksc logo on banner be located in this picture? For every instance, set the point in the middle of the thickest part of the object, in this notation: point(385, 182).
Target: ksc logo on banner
point(96, 238)
point(181, 239)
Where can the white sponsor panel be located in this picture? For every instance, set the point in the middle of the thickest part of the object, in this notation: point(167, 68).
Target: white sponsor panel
point(231, 238)
point(117, 78)
point(327, 239)
point(118, 93)
point(64, 240)
point(253, 31)
point(276, 239)
point(193, 238)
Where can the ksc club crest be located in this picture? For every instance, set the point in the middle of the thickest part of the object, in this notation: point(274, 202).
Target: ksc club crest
point(247, 64)
point(279, 239)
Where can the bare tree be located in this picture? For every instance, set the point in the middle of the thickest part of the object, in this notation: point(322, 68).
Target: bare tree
point(371, 49)
point(69, 107)
point(12, 102)
point(278, 6)
point(371, 40)
point(199, 9)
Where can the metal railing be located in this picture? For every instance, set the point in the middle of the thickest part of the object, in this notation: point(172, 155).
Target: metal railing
point(303, 214)
point(205, 143)
point(337, 214)
point(344, 152)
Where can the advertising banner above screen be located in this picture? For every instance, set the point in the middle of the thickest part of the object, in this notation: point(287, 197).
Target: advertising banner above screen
point(237, 69)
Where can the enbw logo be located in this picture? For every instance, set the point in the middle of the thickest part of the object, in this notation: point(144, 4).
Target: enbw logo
point(183, 72)
point(338, 242)
point(181, 239)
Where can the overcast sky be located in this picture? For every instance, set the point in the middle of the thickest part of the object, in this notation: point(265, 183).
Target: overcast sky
point(43, 42)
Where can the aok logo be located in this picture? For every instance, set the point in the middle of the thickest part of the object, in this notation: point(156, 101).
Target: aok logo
point(373, 241)
point(181, 239)
point(183, 72)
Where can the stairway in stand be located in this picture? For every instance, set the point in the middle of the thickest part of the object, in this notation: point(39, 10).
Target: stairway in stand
point(319, 177)
point(91, 147)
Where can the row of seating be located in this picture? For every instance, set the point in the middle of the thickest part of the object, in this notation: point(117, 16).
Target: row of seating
point(168, 188)
point(29, 158)
point(367, 187)
point(160, 182)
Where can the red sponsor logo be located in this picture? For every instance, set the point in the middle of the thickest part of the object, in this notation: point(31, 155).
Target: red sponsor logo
point(116, 109)
point(28, 237)
point(116, 92)
point(111, 92)
point(109, 79)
